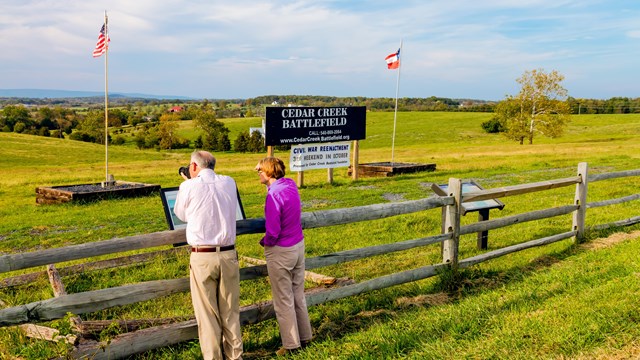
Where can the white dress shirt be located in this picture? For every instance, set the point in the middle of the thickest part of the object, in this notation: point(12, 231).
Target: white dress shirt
point(207, 203)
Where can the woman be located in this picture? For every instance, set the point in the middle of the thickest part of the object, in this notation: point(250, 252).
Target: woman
point(284, 251)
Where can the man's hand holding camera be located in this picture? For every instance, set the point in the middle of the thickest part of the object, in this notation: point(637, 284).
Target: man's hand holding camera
point(184, 172)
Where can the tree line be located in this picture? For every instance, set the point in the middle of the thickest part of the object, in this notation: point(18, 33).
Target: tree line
point(155, 121)
point(615, 105)
point(150, 126)
point(227, 108)
point(254, 106)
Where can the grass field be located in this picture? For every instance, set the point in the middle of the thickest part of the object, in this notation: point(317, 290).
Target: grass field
point(556, 302)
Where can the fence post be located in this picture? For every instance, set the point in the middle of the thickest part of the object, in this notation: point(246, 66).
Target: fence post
point(356, 158)
point(452, 224)
point(581, 200)
point(300, 179)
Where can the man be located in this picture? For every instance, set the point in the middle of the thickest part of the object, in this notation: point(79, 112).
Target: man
point(207, 203)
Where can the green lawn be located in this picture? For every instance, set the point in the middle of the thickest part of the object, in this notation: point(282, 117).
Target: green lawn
point(556, 302)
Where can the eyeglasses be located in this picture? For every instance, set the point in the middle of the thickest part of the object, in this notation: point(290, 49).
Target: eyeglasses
point(259, 171)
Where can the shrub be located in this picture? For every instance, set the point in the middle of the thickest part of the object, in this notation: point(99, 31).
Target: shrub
point(241, 143)
point(197, 143)
point(256, 142)
point(223, 142)
point(19, 127)
point(82, 136)
point(118, 140)
point(57, 134)
point(493, 126)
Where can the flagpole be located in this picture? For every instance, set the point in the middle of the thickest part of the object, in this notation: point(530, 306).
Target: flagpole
point(106, 101)
point(395, 112)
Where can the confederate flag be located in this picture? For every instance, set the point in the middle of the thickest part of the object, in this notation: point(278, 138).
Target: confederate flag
point(393, 60)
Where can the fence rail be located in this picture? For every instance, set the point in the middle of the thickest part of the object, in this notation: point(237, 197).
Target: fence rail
point(11, 262)
point(147, 339)
point(497, 193)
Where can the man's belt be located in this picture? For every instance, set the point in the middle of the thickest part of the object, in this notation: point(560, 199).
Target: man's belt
point(212, 248)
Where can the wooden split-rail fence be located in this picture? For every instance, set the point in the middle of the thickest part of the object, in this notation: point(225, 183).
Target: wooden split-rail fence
point(175, 332)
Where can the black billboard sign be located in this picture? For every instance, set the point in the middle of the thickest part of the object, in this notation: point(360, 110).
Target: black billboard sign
point(302, 125)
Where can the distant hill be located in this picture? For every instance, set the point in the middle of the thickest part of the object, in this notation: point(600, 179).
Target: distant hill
point(62, 94)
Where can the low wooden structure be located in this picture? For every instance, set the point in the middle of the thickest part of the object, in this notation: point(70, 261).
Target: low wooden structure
point(90, 192)
point(386, 169)
point(147, 339)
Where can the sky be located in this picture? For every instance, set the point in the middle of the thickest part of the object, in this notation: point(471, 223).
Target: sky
point(246, 48)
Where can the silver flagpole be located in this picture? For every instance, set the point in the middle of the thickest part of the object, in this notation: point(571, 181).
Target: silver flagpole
point(106, 101)
point(395, 112)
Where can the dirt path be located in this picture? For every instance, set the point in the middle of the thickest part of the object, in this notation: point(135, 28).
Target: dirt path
point(611, 240)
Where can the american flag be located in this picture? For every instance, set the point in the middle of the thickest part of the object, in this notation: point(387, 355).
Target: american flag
point(103, 42)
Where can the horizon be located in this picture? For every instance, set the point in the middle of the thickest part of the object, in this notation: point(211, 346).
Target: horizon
point(93, 94)
point(45, 94)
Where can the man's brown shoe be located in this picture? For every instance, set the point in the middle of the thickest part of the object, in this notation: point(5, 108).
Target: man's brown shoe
point(305, 343)
point(284, 351)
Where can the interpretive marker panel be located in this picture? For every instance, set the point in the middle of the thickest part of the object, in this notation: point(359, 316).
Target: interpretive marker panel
point(471, 186)
point(168, 196)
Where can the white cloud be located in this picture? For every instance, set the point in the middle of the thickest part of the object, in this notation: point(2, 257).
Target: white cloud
point(635, 34)
point(330, 47)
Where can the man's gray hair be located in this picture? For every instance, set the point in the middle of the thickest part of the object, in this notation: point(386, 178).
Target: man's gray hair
point(204, 159)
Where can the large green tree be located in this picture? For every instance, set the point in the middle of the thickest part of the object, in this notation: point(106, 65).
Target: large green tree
point(167, 131)
point(12, 115)
point(90, 128)
point(215, 134)
point(540, 107)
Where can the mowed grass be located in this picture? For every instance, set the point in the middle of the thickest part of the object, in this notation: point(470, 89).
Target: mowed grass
point(556, 302)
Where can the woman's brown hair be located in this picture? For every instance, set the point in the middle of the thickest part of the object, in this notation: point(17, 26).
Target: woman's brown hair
point(272, 167)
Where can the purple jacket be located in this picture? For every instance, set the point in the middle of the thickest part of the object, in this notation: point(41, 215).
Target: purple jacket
point(282, 210)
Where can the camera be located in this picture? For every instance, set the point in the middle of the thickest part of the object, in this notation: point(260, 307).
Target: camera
point(184, 170)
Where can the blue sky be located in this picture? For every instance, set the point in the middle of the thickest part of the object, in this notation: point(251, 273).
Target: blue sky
point(247, 48)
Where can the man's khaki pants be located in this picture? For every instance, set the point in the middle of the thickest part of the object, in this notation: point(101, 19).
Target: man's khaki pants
point(215, 294)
